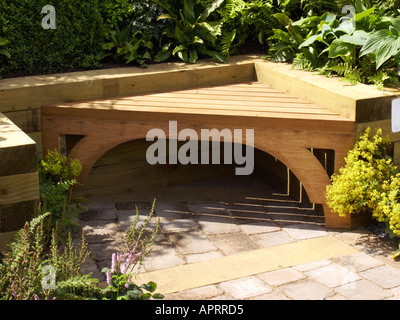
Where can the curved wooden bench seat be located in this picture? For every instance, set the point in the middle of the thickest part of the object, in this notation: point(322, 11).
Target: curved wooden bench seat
point(285, 126)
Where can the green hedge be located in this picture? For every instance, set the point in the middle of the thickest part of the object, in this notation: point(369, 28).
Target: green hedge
point(71, 46)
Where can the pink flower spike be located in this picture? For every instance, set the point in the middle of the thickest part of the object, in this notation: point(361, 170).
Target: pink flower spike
point(37, 297)
point(124, 268)
point(108, 276)
point(114, 262)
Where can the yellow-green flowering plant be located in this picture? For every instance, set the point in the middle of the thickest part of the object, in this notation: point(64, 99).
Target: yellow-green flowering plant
point(357, 187)
point(369, 182)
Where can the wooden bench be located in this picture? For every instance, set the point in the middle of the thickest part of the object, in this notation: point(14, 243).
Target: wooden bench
point(286, 127)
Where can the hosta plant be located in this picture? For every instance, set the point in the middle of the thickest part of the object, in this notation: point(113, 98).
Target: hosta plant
point(192, 34)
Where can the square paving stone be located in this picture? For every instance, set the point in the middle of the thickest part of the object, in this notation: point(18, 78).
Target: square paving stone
point(306, 290)
point(212, 224)
point(305, 231)
point(311, 265)
point(246, 287)
point(357, 261)
point(271, 296)
point(362, 290)
point(333, 275)
point(100, 230)
point(192, 258)
point(201, 293)
point(280, 277)
point(385, 276)
point(127, 217)
point(178, 225)
point(162, 256)
point(255, 227)
point(232, 243)
point(191, 242)
point(272, 239)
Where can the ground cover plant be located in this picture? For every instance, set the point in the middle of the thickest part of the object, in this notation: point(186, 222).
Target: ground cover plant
point(368, 183)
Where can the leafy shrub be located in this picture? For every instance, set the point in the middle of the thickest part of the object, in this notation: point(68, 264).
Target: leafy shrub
point(362, 49)
point(71, 46)
point(192, 34)
point(368, 166)
point(368, 183)
point(245, 21)
point(132, 31)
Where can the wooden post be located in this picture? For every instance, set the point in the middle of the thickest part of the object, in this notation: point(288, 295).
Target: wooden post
point(19, 185)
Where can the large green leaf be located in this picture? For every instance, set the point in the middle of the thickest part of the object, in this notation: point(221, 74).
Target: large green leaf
point(358, 38)
point(283, 18)
point(363, 14)
point(165, 16)
point(214, 6)
point(346, 26)
point(193, 56)
point(164, 54)
point(188, 10)
point(339, 48)
point(387, 50)
point(384, 44)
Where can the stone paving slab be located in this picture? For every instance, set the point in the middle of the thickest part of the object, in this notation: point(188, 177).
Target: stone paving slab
point(247, 245)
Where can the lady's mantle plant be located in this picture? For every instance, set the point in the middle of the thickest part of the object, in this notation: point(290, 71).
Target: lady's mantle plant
point(368, 183)
point(354, 190)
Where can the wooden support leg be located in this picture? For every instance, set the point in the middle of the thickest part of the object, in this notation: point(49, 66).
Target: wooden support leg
point(333, 221)
point(51, 141)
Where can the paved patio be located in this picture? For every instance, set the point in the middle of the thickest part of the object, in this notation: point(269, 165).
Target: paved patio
point(263, 246)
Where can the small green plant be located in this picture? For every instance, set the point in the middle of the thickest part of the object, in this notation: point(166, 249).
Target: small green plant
point(56, 179)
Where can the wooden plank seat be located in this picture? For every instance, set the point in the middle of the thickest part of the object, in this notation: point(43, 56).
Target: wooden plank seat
point(284, 126)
